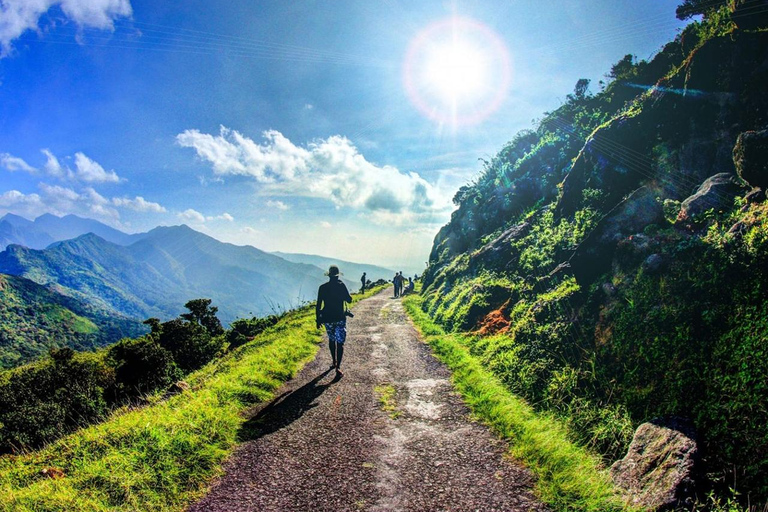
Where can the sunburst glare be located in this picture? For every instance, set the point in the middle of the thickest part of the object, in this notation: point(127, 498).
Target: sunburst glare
point(457, 71)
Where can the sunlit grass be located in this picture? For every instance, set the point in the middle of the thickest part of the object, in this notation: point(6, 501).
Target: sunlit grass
point(568, 476)
point(161, 457)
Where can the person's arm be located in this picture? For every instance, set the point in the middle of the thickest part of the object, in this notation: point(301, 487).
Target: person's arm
point(317, 307)
point(348, 298)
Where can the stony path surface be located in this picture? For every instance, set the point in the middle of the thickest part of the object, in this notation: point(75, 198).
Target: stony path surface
point(327, 445)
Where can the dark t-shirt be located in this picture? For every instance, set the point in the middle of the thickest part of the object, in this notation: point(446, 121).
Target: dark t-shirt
point(332, 295)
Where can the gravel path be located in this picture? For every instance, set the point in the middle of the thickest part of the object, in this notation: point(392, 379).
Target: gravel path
point(328, 445)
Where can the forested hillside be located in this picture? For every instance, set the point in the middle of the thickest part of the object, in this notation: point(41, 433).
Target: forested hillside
point(35, 319)
point(612, 262)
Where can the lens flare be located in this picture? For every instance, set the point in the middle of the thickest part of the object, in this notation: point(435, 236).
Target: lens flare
point(457, 71)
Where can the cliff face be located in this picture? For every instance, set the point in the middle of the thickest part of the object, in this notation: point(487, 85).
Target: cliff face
point(613, 260)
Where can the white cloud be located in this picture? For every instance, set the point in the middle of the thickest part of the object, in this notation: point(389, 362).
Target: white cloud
point(224, 216)
point(90, 171)
point(195, 217)
point(14, 163)
point(331, 169)
point(325, 224)
point(278, 205)
point(192, 216)
point(52, 165)
point(23, 203)
point(86, 169)
point(18, 16)
point(60, 201)
point(138, 204)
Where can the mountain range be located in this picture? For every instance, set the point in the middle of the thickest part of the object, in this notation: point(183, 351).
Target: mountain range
point(48, 228)
point(154, 274)
point(352, 271)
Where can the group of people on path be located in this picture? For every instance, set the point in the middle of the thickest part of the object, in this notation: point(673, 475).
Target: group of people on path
point(399, 282)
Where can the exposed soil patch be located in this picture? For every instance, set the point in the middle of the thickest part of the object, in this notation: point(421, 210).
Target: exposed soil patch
point(328, 444)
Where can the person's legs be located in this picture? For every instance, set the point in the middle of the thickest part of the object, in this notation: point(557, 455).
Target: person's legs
point(339, 355)
point(331, 343)
point(340, 334)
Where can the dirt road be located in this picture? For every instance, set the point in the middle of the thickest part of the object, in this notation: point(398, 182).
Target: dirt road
point(329, 445)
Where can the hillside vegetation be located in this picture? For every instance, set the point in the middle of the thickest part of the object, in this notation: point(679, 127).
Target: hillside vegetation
point(35, 319)
point(162, 456)
point(612, 263)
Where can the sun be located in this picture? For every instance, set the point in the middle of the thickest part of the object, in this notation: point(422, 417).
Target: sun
point(457, 71)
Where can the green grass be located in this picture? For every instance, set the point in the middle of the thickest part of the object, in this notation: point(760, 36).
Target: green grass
point(386, 394)
point(568, 476)
point(162, 457)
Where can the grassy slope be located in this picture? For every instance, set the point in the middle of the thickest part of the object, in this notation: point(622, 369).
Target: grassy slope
point(568, 477)
point(161, 457)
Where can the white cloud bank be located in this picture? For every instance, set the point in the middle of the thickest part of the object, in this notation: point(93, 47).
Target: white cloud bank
point(86, 170)
point(197, 218)
point(64, 200)
point(18, 16)
point(331, 169)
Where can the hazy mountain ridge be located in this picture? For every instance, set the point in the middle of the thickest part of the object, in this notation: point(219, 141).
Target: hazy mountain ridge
point(34, 319)
point(49, 228)
point(352, 271)
point(168, 266)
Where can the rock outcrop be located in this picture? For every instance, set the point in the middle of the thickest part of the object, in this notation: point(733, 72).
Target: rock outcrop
point(750, 156)
point(717, 192)
point(658, 470)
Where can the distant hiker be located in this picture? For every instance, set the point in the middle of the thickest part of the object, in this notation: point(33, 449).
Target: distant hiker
point(394, 282)
point(362, 280)
point(409, 287)
point(398, 282)
point(330, 310)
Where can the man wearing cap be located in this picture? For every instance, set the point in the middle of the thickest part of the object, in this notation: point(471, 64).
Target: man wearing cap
point(330, 310)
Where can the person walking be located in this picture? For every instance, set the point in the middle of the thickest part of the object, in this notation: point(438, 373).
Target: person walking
point(330, 311)
point(362, 280)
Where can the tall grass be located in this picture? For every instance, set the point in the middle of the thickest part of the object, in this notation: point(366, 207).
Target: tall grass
point(161, 457)
point(568, 476)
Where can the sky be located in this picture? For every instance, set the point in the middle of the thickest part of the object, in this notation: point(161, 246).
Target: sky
point(337, 128)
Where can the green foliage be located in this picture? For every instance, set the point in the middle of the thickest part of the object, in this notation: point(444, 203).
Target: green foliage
point(201, 312)
point(46, 400)
point(691, 8)
point(190, 344)
point(568, 477)
point(141, 366)
point(243, 330)
point(163, 456)
point(668, 318)
point(34, 319)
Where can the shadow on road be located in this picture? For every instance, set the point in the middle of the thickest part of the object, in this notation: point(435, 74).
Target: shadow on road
point(284, 409)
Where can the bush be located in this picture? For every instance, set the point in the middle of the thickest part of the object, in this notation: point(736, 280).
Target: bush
point(141, 366)
point(42, 401)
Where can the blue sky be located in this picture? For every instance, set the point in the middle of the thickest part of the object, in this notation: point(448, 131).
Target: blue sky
point(285, 125)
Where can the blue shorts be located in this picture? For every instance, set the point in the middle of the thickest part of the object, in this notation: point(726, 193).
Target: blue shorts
point(337, 331)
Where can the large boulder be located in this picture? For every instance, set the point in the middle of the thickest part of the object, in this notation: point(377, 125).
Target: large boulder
point(717, 192)
point(631, 216)
point(658, 472)
point(750, 156)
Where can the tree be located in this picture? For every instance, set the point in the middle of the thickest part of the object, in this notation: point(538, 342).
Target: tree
point(691, 8)
point(623, 68)
point(190, 343)
point(201, 312)
point(580, 90)
point(141, 366)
